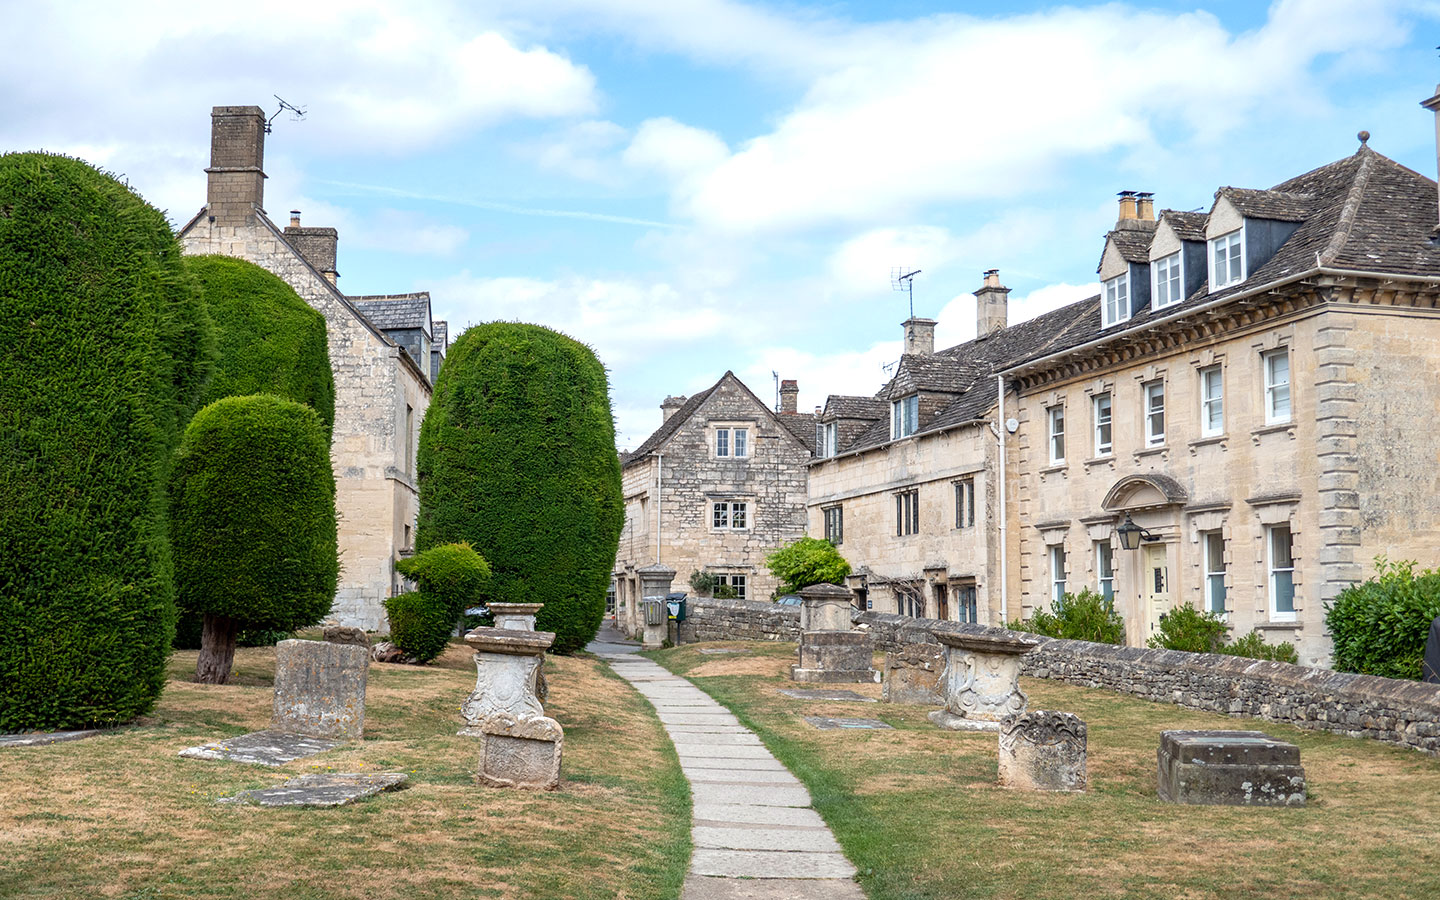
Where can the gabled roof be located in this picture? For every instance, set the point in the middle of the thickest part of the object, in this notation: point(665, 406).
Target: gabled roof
point(1365, 213)
point(839, 406)
point(1133, 244)
point(442, 332)
point(1282, 206)
point(1188, 226)
point(396, 310)
point(935, 372)
point(800, 426)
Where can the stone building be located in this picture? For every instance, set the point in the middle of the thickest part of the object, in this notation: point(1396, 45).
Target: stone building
point(905, 483)
point(384, 350)
point(1256, 390)
point(720, 484)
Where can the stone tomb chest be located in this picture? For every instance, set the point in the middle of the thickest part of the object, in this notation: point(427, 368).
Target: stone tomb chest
point(1235, 768)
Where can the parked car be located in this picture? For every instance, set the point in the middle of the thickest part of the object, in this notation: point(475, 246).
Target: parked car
point(788, 600)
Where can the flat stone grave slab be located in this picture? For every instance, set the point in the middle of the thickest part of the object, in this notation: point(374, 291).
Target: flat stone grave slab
point(264, 748)
point(713, 650)
point(825, 723)
point(847, 696)
point(41, 738)
point(329, 789)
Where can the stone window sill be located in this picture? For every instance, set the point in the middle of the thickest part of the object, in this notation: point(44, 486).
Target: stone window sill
point(1215, 440)
point(1052, 469)
point(1157, 450)
point(1278, 625)
point(1282, 428)
point(1106, 460)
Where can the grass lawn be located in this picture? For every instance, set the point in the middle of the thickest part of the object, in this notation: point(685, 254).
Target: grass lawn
point(919, 812)
point(121, 815)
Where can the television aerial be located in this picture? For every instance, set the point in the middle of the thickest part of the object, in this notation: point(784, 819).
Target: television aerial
point(296, 112)
point(902, 278)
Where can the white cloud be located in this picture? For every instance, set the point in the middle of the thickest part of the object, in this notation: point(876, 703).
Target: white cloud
point(677, 151)
point(956, 321)
point(580, 151)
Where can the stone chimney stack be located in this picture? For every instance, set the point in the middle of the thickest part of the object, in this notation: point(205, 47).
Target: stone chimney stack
point(317, 246)
point(670, 406)
point(789, 396)
point(1128, 210)
point(1145, 206)
point(237, 158)
point(919, 337)
point(1433, 104)
point(992, 305)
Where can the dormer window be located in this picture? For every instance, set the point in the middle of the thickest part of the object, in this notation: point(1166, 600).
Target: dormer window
point(1117, 301)
point(829, 439)
point(1227, 260)
point(905, 417)
point(1168, 282)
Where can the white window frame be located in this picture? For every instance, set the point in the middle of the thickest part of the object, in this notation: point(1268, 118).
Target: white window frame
point(724, 514)
point(1057, 574)
point(1105, 560)
point(1153, 396)
point(1276, 390)
point(834, 516)
point(1275, 574)
point(907, 512)
point(904, 416)
point(1168, 289)
point(1213, 575)
point(965, 502)
point(1115, 305)
point(1107, 446)
point(732, 442)
point(1055, 420)
point(829, 440)
point(1212, 405)
point(1233, 245)
point(734, 580)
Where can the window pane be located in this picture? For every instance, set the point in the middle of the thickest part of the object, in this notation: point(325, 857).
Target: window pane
point(737, 515)
point(1105, 557)
point(722, 442)
point(742, 440)
point(1284, 592)
point(1280, 547)
point(1215, 592)
point(1214, 553)
point(721, 516)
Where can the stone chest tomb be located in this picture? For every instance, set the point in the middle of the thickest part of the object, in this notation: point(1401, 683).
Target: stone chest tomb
point(1235, 768)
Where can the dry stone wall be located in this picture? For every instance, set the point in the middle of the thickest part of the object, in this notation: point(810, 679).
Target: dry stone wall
point(1385, 709)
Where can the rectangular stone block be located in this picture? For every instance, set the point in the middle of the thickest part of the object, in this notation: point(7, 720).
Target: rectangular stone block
point(912, 675)
point(835, 656)
point(1235, 768)
point(320, 689)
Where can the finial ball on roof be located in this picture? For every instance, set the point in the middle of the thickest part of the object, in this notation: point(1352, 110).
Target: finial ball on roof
point(1364, 136)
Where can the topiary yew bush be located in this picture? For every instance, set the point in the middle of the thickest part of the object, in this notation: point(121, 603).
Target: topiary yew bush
point(420, 625)
point(268, 340)
point(451, 578)
point(253, 513)
point(1379, 626)
point(804, 562)
point(104, 349)
point(517, 457)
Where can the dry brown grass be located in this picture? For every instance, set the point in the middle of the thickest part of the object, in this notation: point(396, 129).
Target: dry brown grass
point(920, 808)
point(122, 815)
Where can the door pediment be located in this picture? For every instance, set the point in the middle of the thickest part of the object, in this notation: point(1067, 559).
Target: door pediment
point(1144, 491)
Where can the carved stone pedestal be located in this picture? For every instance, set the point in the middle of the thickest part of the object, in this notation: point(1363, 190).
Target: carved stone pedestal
point(829, 651)
point(981, 681)
point(1043, 751)
point(519, 745)
point(912, 675)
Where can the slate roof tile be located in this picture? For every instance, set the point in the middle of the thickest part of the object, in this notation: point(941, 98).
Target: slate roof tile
point(390, 311)
point(1188, 226)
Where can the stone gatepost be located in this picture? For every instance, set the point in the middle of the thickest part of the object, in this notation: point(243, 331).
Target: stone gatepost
point(519, 745)
point(981, 681)
point(320, 689)
point(830, 651)
point(655, 582)
point(1042, 750)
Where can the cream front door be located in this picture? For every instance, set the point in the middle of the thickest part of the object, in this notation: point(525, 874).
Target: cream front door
point(1155, 587)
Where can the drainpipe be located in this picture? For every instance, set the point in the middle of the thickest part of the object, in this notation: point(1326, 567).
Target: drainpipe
point(659, 474)
point(1000, 443)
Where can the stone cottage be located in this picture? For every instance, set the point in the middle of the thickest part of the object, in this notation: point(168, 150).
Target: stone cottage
point(905, 483)
point(385, 352)
point(720, 484)
point(1252, 406)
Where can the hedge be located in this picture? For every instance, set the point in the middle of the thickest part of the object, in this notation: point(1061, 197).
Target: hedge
point(453, 574)
point(269, 341)
point(1379, 626)
point(517, 457)
point(253, 512)
point(420, 625)
point(104, 349)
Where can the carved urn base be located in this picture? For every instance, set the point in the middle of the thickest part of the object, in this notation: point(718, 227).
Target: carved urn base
point(519, 753)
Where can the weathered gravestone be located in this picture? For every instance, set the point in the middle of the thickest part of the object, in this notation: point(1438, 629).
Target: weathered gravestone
point(830, 651)
point(321, 789)
point(981, 680)
point(1041, 750)
point(1235, 768)
point(912, 675)
point(345, 634)
point(320, 689)
point(519, 745)
point(828, 723)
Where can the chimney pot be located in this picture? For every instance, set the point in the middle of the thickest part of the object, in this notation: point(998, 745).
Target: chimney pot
point(1145, 206)
point(1127, 206)
point(992, 304)
point(294, 218)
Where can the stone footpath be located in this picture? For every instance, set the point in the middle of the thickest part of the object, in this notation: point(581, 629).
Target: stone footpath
point(756, 836)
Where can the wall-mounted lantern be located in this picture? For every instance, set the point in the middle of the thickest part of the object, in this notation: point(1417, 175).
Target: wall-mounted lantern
point(1131, 534)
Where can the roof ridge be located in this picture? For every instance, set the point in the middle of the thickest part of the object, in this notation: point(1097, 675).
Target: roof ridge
point(1348, 211)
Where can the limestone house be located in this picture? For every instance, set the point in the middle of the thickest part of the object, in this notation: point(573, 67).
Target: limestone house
point(385, 351)
point(1256, 394)
point(718, 486)
point(905, 482)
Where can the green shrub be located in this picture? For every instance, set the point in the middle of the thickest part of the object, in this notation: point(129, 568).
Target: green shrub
point(1379, 626)
point(419, 625)
point(703, 583)
point(1187, 628)
point(517, 458)
point(1253, 646)
point(104, 349)
point(253, 513)
point(1086, 616)
point(805, 562)
point(269, 341)
point(453, 575)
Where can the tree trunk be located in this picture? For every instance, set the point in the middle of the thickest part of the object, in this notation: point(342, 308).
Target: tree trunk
point(217, 649)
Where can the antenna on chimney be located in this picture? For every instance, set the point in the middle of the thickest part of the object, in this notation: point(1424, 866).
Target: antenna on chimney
point(776, 375)
point(901, 280)
point(296, 113)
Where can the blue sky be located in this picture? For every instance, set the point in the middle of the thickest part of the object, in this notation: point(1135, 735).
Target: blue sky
point(691, 187)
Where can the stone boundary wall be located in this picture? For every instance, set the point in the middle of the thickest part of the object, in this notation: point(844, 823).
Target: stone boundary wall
point(1385, 709)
